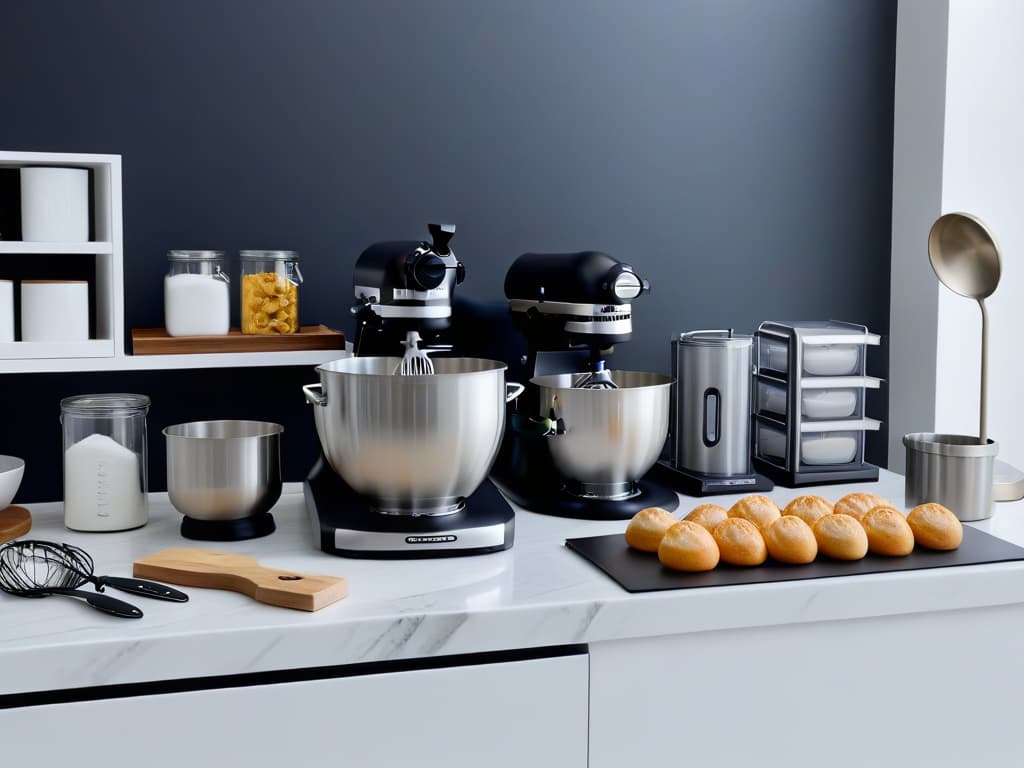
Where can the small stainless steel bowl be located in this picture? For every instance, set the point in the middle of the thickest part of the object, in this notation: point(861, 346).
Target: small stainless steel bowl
point(223, 470)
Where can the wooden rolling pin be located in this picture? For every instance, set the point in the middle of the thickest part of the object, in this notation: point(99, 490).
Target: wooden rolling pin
point(209, 569)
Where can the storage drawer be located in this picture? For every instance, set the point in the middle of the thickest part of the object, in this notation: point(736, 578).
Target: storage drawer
point(833, 403)
point(831, 359)
point(818, 359)
point(816, 448)
point(827, 448)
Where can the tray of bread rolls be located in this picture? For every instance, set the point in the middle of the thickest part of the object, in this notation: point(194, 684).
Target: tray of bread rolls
point(755, 541)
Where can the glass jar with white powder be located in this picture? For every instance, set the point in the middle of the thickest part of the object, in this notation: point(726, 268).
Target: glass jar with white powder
point(196, 294)
point(105, 475)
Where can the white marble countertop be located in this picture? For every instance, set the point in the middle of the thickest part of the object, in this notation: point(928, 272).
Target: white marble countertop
point(536, 594)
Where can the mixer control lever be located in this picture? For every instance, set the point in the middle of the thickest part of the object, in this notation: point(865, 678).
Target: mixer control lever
point(441, 234)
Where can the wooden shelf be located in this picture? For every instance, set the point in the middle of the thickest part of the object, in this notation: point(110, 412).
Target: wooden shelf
point(20, 246)
point(156, 341)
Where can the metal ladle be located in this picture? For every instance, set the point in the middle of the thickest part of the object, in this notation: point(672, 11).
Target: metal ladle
point(965, 257)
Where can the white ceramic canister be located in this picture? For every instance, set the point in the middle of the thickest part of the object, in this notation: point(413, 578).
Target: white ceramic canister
point(54, 310)
point(6, 310)
point(54, 204)
point(105, 462)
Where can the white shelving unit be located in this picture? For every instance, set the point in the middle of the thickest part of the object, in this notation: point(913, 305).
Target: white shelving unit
point(106, 352)
point(107, 251)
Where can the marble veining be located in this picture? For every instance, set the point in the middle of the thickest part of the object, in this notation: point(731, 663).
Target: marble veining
point(537, 594)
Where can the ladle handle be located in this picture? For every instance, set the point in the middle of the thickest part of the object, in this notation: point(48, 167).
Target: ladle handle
point(983, 411)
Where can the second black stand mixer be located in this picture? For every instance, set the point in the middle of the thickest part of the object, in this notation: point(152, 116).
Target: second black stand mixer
point(572, 308)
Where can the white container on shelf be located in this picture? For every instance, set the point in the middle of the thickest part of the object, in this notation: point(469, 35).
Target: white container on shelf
point(54, 310)
point(196, 301)
point(839, 403)
point(6, 310)
point(818, 359)
point(816, 448)
point(54, 204)
point(829, 403)
point(831, 359)
point(820, 448)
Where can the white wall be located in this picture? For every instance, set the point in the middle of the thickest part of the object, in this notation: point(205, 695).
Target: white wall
point(981, 171)
point(916, 202)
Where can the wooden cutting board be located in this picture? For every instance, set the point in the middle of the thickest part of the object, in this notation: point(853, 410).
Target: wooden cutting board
point(14, 522)
point(156, 341)
point(210, 569)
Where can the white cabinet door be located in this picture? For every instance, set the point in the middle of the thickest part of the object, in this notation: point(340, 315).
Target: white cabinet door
point(929, 689)
point(524, 713)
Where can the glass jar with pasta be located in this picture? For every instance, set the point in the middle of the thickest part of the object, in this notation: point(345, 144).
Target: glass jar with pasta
point(270, 292)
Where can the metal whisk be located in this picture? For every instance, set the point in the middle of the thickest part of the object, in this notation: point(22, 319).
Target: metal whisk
point(36, 569)
point(415, 361)
point(80, 563)
point(599, 378)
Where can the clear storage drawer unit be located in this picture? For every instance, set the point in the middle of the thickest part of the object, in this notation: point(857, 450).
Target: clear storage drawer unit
point(809, 393)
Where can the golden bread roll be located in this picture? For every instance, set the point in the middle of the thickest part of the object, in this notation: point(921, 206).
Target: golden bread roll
point(647, 528)
point(687, 546)
point(858, 504)
point(808, 508)
point(841, 537)
point(888, 532)
point(708, 515)
point(760, 510)
point(935, 527)
point(740, 542)
point(791, 540)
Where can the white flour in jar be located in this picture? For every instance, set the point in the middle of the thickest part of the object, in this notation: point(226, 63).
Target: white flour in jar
point(102, 486)
point(196, 305)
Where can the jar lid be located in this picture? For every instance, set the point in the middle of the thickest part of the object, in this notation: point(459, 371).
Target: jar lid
point(194, 255)
point(269, 255)
point(722, 338)
point(105, 405)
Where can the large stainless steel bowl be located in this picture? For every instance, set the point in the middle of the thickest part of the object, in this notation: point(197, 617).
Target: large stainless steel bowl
point(612, 436)
point(223, 470)
point(411, 444)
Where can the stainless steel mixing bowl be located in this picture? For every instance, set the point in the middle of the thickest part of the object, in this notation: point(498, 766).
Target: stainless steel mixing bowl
point(223, 470)
point(612, 436)
point(411, 444)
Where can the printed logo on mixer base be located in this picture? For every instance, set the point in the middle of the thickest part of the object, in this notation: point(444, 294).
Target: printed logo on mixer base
point(430, 539)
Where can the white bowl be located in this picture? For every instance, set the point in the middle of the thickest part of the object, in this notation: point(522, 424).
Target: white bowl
point(11, 470)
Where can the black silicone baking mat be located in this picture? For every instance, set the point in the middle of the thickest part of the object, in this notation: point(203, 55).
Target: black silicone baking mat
point(641, 572)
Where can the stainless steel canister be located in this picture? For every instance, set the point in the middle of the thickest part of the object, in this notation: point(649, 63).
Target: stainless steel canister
point(952, 470)
point(711, 408)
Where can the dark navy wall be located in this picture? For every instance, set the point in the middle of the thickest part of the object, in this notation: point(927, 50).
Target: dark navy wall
point(737, 153)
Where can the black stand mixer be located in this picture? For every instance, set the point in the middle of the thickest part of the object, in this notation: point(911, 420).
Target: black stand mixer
point(403, 292)
point(572, 308)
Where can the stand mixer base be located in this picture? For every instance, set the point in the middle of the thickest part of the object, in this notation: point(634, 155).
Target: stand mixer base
point(559, 502)
point(345, 524)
